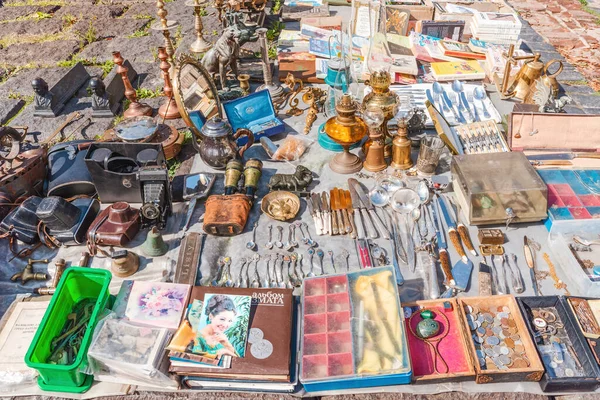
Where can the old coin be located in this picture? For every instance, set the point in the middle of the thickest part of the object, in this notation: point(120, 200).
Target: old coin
point(519, 363)
point(492, 340)
point(569, 372)
point(509, 342)
point(519, 348)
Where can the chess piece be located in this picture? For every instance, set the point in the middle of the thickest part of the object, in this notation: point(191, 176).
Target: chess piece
point(169, 108)
point(200, 45)
point(136, 108)
point(164, 26)
point(100, 100)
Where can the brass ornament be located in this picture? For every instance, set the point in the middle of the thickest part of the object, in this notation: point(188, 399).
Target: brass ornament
point(280, 205)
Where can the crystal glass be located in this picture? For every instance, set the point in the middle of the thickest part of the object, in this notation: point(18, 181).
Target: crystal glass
point(429, 155)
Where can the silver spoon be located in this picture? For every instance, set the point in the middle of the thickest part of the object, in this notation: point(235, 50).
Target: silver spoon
point(288, 245)
point(269, 244)
point(296, 281)
point(300, 258)
point(239, 281)
point(304, 238)
point(221, 264)
point(480, 95)
point(437, 89)
point(273, 278)
point(288, 283)
point(346, 256)
point(255, 283)
point(229, 281)
point(279, 243)
point(251, 245)
point(311, 253)
point(225, 275)
point(293, 229)
point(330, 253)
point(321, 255)
point(311, 242)
point(282, 284)
point(264, 283)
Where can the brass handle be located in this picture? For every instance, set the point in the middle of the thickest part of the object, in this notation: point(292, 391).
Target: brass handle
point(558, 71)
point(244, 132)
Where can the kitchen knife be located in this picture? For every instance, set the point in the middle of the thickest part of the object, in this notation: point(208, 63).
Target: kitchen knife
point(354, 193)
point(462, 229)
point(326, 213)
point(316, 200)
point(452, 232)
point(311, 210)
point(457, 117)
point(345, 217)
point(562, 156)
point(442, 248)
point(347, 203)
point(531, 264)
point(395, 255)
point(334, 205)
point(360, 229)
point(364, 197)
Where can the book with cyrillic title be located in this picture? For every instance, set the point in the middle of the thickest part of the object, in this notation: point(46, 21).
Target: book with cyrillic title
point(464, 70)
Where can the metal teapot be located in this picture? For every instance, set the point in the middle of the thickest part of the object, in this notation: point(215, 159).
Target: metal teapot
point(217, 143)
point(524, 81)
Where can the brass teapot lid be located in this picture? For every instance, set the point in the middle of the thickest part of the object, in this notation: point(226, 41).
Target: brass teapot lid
point(216, 127)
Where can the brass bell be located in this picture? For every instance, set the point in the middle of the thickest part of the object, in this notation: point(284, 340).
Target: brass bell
point(124, 263)
point(154, 246)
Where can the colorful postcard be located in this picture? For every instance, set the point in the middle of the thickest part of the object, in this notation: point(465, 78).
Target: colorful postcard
point(223, 328)
point(157, 304)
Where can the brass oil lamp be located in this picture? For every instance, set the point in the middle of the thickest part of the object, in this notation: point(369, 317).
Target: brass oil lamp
point(383, 98)
point(374, 147)
point(345, 129)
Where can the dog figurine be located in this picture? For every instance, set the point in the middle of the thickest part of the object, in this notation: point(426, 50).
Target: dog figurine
point(223, 54)
point(298, 180)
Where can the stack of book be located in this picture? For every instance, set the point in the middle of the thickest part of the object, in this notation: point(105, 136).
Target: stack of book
point(498, 28)
point(259, 356)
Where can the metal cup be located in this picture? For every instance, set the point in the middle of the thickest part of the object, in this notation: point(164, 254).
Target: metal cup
point(429, 155)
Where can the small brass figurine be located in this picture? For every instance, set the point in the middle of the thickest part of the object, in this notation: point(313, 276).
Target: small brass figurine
point(297, 182)
point(222, 56)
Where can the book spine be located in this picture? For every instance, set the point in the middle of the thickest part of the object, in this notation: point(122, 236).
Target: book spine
point(194, 357)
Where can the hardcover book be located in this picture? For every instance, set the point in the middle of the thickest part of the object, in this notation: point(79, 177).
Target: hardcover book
point(465, 70)
point(157, 304)
point(458, 49)
point(441, 29)
point(269, 341)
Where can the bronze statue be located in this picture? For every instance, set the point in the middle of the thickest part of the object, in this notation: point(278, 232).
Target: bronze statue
point(43, 97)
point(224, 54)
point(100, 100)
point(298, 181)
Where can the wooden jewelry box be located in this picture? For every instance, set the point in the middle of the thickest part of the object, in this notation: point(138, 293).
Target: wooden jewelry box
point(452, 343)
point(569, 363)
point(504, 351)
point(586, 312)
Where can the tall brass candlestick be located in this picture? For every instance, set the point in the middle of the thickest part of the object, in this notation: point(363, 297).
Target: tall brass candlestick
point(169, 109)
point(136, 108)
point(275, 90)
point(200, 45)
point(164, 26)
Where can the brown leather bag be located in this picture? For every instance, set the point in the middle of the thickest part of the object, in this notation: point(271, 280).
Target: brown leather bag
point(116, 225)
point(226, 215)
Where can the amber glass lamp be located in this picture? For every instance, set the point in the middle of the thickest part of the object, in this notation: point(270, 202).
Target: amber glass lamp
point(345, 129)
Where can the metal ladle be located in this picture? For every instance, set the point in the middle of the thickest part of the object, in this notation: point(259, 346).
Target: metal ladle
point(404, 201)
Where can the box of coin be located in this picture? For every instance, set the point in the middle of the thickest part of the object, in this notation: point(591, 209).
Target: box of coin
point(440, 354)
point(586, 312)
point(500, 345)
point(570, 366)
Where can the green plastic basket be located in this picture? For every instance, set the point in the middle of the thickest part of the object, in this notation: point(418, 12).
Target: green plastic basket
point(76, 284)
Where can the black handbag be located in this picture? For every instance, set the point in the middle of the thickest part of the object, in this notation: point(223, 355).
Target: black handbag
point(22, 222)
point(66, 222)
point(67, 174)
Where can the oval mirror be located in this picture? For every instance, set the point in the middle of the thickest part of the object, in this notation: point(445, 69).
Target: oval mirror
point(196, 95)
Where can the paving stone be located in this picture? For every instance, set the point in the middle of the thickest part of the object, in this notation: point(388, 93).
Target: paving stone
point(581, 89)
point(48, 26)
point(570, 74)
point(85, 12)
point(573, 109)
point(110, 27)
point(12, 13)
point(9, 108)
point(48, 53)
point(139, 9)
point(41, 128)
point(592, 110)
point(586, 100)
point(134, 49)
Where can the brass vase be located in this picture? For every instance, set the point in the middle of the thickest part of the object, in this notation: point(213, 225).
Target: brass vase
point(244, 80)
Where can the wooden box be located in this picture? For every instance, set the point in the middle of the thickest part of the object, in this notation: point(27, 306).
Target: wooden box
point(454, 348)
point(531, 373)
point(588, 381)
point(592, 309)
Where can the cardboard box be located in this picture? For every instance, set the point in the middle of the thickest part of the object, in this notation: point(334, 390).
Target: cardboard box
point(300, 64)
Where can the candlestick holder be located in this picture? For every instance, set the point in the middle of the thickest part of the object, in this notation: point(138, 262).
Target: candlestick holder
point(169, 108)
point(163, 25)
point(275, 90)
point(200, 45)
point(136, 109)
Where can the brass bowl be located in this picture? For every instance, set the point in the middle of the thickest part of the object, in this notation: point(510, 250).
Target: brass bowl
point(280, 205)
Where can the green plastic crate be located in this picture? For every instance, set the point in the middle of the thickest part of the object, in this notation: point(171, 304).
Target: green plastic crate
point(76, 284)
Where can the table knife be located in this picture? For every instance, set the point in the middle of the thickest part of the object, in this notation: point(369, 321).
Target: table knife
point(316, 200)
point(462, 229)
point(338, 212)
point(450, 105)
point(531, 264)
point(364, 198)
point(431, 100)
point(452, 232)
point(345, 217)
point(309, 206)
point(350, 211)
point(360, 229)
point(442, 248)
point(354, 193)
point(326, 213)
point(334, 206)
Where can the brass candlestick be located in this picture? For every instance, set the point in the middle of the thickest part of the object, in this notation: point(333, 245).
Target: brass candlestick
point(136, 109)
point(244, 80)
point(374, 147)
point(381, 97)
point(201, 45)
point(276, 91)
point(163, 25)
point(169, 108)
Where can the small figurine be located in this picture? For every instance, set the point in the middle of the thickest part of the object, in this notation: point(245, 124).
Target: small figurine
point(298, 181)
point(100, 100)
point(224, 54)
point(545, 100)
point(43, 97)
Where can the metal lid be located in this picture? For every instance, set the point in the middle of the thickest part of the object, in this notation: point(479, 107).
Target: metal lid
point(136, 129)
point(217, 127)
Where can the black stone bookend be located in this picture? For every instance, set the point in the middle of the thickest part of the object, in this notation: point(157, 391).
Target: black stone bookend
point(49, 102)
point(106, 102)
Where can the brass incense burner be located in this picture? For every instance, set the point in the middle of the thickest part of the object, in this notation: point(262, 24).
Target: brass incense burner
point(346, 129)
point(381, 97)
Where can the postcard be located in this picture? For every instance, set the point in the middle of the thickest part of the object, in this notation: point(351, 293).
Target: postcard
point(223, 328)
point(157, 304)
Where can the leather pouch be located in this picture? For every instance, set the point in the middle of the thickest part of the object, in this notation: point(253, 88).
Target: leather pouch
point(226, 215)
point(67, 173)
point(65, 221)
point(22, 221)
point(116, 225)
